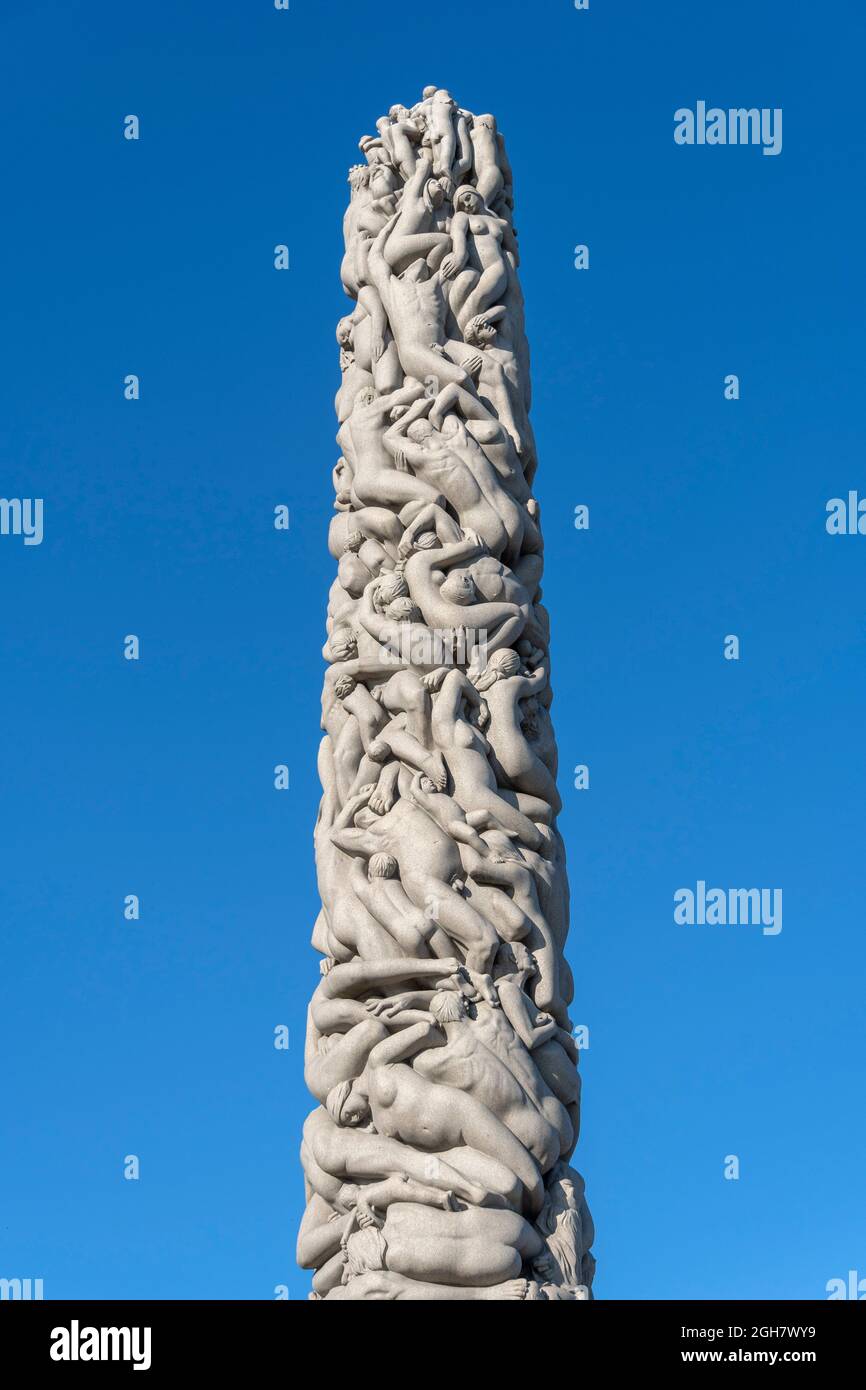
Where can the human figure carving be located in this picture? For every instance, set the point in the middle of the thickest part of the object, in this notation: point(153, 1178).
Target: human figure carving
point(404, 1106)
point(341, 1030)
point(375, 480)
point(451, 460)
point(428, 1243)
point(401, 134)
point(477, 262)
point(333, 1155)
point(489, 177)
point(416, 307)
point(414, 234)
point(504, 684)
point(429, 862)
point(457, 715)
point(463, 1061)
point(446, 594)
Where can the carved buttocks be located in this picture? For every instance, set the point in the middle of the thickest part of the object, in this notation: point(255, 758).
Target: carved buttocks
point(439, 1045)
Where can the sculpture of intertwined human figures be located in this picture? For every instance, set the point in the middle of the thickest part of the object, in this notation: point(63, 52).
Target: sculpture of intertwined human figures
point(439, 1045)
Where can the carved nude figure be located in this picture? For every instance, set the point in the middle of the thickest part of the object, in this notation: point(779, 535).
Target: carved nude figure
point(416, 307)
point(460, 1059)
point(401, 135)
point(368, 354)
point(473, 1247)
point(489, 178)
point(440, 115)
point(333, 1155)
point(504, 685)
point(405, 1107)
point(452, 461)
point(465, 750)
point(445, 592)
point(375, 480)
point(480, 241)
point(414, 234)
point(429, 862)
point(341, 1030)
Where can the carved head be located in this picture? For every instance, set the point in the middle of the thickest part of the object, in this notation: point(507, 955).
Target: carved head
point(358, 177)
point(468, 199)
point(501, 665)
point(344, 646)
point(347, 1107)
point(365, 1253)
point(448, 1006)
point(366, 396)
point(343, 686)
point(479, 331)
point(420, 431)
point(459, 588)
point(382, 866)
point(383, 180)
point(391, 586)
point(434, 194)
point(403, 610)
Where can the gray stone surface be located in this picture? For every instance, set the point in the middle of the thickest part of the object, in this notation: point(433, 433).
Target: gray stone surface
point(439, 1046)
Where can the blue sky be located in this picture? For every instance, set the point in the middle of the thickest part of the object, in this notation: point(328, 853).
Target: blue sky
point(707, 517)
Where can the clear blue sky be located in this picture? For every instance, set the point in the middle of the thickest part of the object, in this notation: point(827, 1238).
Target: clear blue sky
point(707, 518)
